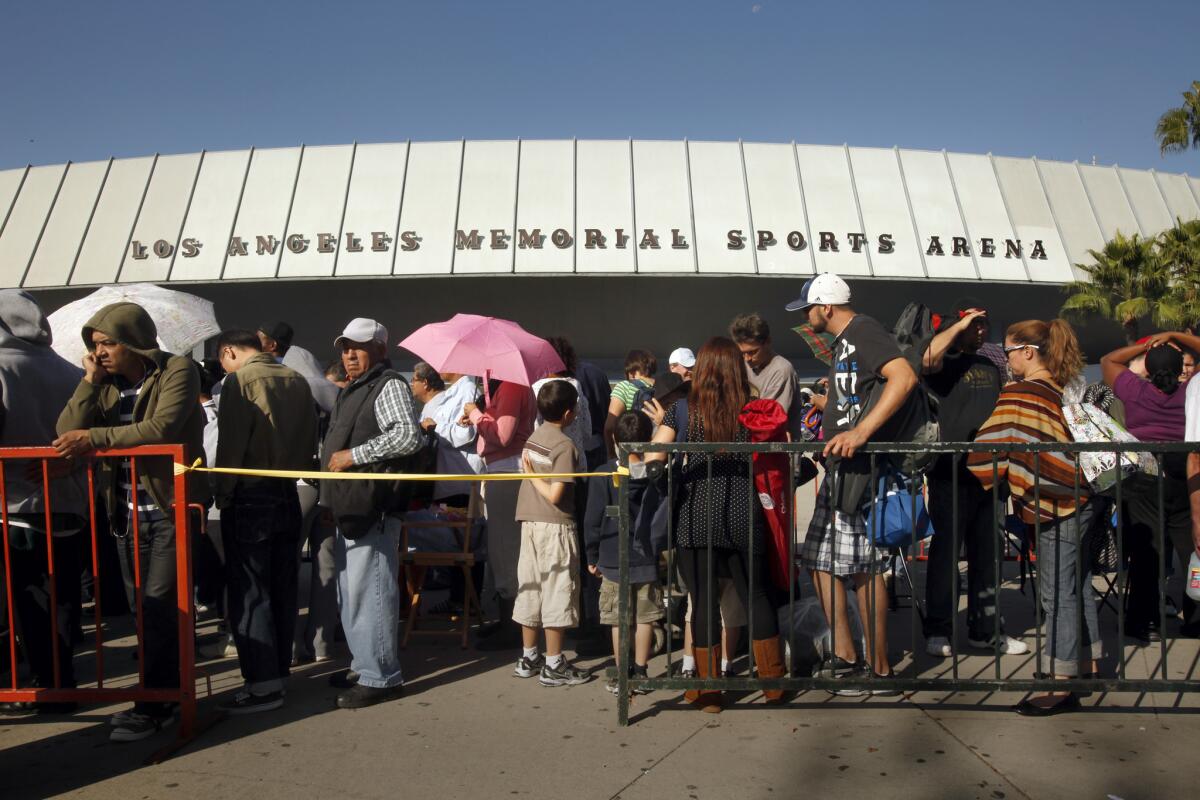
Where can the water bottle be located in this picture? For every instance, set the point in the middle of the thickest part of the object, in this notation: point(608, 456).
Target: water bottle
point(1193, 577)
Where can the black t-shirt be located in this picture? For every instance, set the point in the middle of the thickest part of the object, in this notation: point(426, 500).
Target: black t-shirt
point(856, 378)
point(966, 388)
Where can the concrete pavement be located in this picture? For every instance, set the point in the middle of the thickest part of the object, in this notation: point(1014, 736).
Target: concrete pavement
point(467, 728)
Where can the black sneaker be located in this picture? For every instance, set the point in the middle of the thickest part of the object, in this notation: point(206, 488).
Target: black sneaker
point(528, 667)
point(638, 672)
point(835, 667)
point(137, 726)
point(857, 672)
point(677, 671)
point(614, 687)
point(884, 690)
point(565, 674)
point(346, 679)
point(362, 696)
point(246, 703)
point(1142, 634)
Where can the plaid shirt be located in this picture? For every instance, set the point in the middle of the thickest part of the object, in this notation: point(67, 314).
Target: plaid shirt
point(821, 344)
point(401, 433)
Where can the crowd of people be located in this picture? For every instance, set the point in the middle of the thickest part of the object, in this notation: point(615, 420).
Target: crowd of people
point(552, 561)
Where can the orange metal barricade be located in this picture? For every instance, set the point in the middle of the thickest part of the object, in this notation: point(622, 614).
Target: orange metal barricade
point(185, 694)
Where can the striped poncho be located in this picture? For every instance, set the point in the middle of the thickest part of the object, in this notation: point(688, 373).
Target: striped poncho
point(1030, 412)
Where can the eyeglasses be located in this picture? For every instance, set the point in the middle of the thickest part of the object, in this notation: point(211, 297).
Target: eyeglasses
point(1017, 347)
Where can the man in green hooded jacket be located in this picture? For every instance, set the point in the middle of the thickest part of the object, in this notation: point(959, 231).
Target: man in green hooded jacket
point(133, 394)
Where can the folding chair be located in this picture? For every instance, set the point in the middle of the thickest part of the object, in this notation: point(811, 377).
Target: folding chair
point(416, 563)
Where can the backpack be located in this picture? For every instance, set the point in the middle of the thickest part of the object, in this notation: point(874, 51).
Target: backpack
point(644, 392)
point(914, 331)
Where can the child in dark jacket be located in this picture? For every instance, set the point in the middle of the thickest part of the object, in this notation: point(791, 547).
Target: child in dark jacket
point(646, 543)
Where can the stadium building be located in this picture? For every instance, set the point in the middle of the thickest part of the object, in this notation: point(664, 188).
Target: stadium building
point(615, 244)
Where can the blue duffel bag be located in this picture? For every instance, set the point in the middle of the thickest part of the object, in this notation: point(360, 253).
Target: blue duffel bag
point(889, 515)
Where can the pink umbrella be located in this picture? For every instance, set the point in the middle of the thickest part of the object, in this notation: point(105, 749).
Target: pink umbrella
point(486, 346)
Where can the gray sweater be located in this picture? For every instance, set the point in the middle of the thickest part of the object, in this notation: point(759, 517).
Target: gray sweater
point(35, 384)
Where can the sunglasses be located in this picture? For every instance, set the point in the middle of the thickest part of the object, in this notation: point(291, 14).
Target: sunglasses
point(1017, 347)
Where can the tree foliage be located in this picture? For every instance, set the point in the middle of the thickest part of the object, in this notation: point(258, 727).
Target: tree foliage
point(1132, 278)
point(1179, 128)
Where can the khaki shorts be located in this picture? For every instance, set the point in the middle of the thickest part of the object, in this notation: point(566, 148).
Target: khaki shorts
point(547, 576)
point(647, 598)
point(733, 615)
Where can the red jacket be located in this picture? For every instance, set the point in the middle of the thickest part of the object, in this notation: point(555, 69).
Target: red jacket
point(767, 422)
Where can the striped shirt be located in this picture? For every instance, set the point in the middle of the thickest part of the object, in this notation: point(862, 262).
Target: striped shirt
point(148, 510)
point(1029, 412)
point(626, 391)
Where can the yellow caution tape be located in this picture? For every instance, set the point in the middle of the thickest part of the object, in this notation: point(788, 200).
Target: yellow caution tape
point(300, 474)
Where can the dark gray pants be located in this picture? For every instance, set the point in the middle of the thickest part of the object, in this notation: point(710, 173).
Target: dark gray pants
point(503, 539)
point(977, 534)
point(31, 600)
point(315, 636)
point(261, 532)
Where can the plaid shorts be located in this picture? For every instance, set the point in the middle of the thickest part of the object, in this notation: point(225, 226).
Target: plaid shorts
point(838, 543)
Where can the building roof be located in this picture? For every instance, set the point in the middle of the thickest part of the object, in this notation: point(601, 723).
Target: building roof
point(571, 206)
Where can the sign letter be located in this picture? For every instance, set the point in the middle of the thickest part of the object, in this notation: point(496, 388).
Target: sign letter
point(471, 241)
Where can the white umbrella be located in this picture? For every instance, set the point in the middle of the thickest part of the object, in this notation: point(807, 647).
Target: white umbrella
point(324, 391)
point(183, 320)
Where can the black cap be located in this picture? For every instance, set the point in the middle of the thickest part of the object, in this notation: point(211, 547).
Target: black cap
point(279, 331)
point(671, 387)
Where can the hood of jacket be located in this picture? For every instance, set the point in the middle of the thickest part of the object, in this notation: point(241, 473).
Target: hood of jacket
point(129, 324)
point(765, 420)
point(22, 321)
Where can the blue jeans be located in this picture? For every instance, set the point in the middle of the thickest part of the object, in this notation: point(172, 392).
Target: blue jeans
point(1062, 553)
point(160, 618)
point(369, 599)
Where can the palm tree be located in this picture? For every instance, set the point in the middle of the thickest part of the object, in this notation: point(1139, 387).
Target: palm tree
point(1129, 280)
point(1179, 249)
point(1179, 128)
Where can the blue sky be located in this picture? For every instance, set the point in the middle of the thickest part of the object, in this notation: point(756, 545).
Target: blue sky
point(1060, 80)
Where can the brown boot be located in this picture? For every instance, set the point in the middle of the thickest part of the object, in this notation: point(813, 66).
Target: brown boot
point(708, 701)
point(768, 657)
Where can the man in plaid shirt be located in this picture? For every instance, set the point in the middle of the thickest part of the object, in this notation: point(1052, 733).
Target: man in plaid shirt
point(373, 428)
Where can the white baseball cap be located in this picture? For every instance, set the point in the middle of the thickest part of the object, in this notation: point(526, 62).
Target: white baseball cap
point(825, 289)
point(362, 330)
point(683, 357)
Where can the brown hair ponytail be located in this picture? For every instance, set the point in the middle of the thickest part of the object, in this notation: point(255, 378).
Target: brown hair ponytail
point(1056, 343)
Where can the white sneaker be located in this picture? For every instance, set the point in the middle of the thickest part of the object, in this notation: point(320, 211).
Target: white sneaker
point(1008, 645)
point(938, 647)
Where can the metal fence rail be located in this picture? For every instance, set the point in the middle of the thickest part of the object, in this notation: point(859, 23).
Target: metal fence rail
point(910, 680)
point(41, 459)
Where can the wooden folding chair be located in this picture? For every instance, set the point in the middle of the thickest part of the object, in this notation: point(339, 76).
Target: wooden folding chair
point(415, 565)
